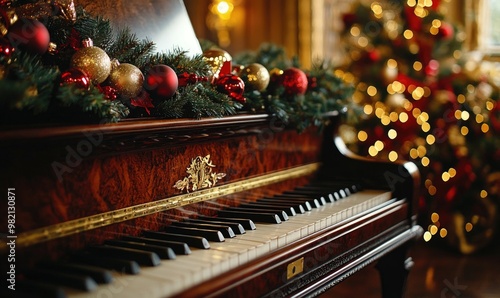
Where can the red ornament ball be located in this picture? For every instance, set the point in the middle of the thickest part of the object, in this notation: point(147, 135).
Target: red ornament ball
point(233, 86)
point(6, 49)
point(294, 81)
point(77, 77)
point(161, 82)
point(29, 35)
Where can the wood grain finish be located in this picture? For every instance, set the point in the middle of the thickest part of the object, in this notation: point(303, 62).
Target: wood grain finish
point(68, 173)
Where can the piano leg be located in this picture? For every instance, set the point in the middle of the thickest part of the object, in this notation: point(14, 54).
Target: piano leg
point(393, 269)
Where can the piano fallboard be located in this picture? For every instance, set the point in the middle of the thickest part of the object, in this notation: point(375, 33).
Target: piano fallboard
point(79, 186)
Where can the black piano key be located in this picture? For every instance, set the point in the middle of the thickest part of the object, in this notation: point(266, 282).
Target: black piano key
point(163, 252)
point(179, 248)
point(224, 229)
point(254, 216)
point(298, 206)
point(144, 258)
point(71, 280)
point(100, 275)
point(248, 224)
point(320, 200)
point(194, 241)
point(235, 226)
point(32, 288)
point(313, 203)
point(210, 235)
point(290, 211)
point(282, 214)
point(119, 265)
point(328, 195)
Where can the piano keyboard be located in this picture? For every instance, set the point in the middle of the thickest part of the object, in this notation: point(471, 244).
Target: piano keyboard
point(190, 265)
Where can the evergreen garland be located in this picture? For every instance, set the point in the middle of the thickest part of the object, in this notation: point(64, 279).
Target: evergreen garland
point(31, 91)
point(326, 91)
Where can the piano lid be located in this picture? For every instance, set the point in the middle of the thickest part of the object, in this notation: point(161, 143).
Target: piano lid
point(165, 22)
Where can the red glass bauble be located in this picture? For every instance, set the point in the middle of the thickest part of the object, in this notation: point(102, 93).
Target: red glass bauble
point(6, 49)
point(77, 77)
point(233, 86)
point(29, 35)
point(161, 82)
point(294, 81)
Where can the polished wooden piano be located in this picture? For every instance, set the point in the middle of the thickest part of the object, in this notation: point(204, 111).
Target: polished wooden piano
point(239, 206)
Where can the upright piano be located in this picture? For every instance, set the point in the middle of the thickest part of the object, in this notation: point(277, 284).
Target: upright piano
point(239, 206)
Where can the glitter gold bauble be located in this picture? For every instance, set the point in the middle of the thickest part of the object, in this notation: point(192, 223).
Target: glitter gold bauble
point(127, 79)
point(255, 76)
point(219, 62)
point(94, 62)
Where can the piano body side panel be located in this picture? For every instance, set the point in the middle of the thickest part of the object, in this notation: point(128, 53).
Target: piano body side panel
point(402, 178)
point(105, 180)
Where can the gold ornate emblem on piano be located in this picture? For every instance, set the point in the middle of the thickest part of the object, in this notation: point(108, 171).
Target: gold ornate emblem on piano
point(235, 207)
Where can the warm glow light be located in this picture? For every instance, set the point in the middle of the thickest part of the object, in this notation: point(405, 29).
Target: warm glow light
point(392, 63)
point(394, 116)
point(452, 172)
point(490, 105)
point(368, 109)
point(363, 41)
point(417, 66)
point(393, 156)
point(403, 117)
point(362, 135)
point(392, 134)
point(445, 176)
point(414, 153)
point(379, 112)
point(485, 128)
point(421, 151)
point(483, 194)
point(432, 190)
point(379, 145)
point(468, 227)
point(372, 91)
point(355, 31)
point(426, 127)
point(443, 232)
point(479, 118)
point(465, 115)
point(433, 229)
point(408, 34)
point(436, 23)
point(434, 217)
point(464, 130)
point(430, 139)
point(372, 151)
point(427, 236)
point(223, 7)
point(385, 120)
point(425, 161)
point(461, 98)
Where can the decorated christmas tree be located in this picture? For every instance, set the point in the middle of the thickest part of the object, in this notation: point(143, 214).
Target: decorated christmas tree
point(427, 100)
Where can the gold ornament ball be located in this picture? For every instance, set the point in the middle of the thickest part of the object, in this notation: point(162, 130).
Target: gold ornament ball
point(256, 76)
point(219, 62)
point(127, 79)
point(94, 62)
